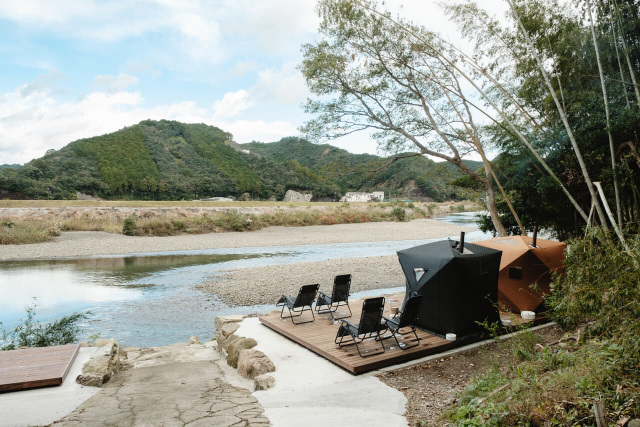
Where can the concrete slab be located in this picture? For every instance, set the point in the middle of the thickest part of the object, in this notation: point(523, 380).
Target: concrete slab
point(43, 406)
point(312, 391)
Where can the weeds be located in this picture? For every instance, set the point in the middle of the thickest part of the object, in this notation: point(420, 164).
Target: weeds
point(31, 333)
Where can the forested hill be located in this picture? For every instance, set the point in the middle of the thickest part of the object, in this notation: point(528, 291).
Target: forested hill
point(169, 160)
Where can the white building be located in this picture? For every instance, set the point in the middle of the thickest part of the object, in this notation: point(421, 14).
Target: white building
point(357, 196)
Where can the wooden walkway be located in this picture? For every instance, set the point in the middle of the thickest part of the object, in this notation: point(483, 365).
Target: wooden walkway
point(36, 367)
point(318, 336)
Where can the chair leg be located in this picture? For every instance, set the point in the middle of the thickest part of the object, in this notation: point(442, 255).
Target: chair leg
point(405, 347)
point(313, 317)
point(292, 316)
point(375, 339)
point(336, 309)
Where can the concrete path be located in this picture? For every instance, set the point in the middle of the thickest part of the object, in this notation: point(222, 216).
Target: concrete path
point(310, 391)
point(177, 385)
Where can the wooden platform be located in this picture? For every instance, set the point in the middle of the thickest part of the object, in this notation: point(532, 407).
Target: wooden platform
point(318, 336)
point(36, 367)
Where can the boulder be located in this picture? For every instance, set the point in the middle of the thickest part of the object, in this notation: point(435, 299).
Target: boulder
point(252, 363)
point(91, 380)
point(106, 362)
point(263, 382)
point(234, 349)
point(229, 329)
point(226, 342)
point(223, 320)
point(194, 340)
point(294, 196)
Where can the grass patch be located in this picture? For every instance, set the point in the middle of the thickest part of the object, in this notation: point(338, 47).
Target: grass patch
point(148, 220)
point(26, 232)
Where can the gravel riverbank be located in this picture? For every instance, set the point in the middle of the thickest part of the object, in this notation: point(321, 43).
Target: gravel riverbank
point(94, 243)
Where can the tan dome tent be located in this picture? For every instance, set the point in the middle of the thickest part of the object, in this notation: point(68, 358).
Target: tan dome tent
point(458, 289)
point(523, 265)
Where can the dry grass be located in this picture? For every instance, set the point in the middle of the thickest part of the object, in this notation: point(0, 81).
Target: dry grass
point(39, 221)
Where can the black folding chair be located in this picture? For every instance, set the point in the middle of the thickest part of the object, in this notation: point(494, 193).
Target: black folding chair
point(369, 327)
point(403, 320)
point(339, 297)
point(300, 304)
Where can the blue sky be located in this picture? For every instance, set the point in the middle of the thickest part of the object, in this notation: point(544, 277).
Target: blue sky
point(75, 69)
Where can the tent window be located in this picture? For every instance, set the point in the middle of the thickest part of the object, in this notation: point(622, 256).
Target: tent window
point(515, 273)
point(419, 272)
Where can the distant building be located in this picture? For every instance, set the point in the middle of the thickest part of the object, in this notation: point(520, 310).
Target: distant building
point(356, 196)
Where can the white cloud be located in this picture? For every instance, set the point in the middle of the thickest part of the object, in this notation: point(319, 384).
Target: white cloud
point(232, 104)
point(242, 68)
point(258, 130)
point(113, 84)
point(285, 86)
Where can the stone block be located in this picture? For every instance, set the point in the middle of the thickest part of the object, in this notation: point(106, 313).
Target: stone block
point(228, 329)
point(91, 380)
point(234, 349)
point(223, 320)
point(263, 382)
point(252, 363)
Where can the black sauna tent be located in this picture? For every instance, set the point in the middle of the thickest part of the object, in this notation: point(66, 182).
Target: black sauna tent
point(458, 289)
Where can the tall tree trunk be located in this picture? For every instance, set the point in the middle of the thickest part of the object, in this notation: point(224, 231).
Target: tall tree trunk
point(490, 201)
point(565, 121)
point(606, 112)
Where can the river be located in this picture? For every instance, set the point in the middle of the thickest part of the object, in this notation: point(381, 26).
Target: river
point(150, 299)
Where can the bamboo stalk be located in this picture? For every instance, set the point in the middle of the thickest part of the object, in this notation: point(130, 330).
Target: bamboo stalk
point(565, 121)
point(607, 115)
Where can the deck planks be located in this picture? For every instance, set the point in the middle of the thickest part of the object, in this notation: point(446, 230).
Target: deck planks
point(318, 336)
point(36, 367)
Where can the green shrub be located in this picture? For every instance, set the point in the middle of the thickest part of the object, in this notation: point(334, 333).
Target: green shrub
point(34, 334)
point(129, 225)
point(399, 213)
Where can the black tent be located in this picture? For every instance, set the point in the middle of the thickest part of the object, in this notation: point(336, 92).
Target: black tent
point(458, 289)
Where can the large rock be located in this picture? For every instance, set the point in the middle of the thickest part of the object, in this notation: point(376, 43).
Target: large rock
point(91, 380)
point(263, 382)
point(294, 196)
point(223, 320)
point(106, 362)
point(252, 363)
point(226, 342)
point(234, 349)
point(229, 329)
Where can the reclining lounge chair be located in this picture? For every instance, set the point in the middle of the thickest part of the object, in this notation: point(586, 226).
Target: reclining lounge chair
point(369, 327)
point(339, 297)
point(405, 320)
point(300, 304)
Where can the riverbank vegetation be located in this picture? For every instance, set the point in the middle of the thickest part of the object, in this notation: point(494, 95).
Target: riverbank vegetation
point(32, 333)
point(595, 364)
point(154, 220)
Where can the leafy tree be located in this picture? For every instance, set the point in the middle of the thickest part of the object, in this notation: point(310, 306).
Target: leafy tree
point(397, 79)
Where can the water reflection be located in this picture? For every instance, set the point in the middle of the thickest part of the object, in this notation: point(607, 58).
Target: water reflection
point(148, 300)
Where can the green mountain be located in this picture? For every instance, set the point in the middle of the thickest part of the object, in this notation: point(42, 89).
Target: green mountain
point(169, 160)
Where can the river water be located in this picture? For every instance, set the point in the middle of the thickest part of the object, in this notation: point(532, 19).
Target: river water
point(150, 299)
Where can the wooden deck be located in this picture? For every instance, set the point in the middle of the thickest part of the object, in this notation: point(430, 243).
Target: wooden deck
point(318, 336)
point(36, 367)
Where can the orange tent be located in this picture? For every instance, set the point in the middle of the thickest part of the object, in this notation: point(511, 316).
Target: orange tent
point(523, 265)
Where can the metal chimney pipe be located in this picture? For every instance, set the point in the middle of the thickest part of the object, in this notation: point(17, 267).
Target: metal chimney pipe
point(461, 246)
point(535, 236)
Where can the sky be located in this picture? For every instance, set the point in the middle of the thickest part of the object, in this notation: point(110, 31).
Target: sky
point(75, 69)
